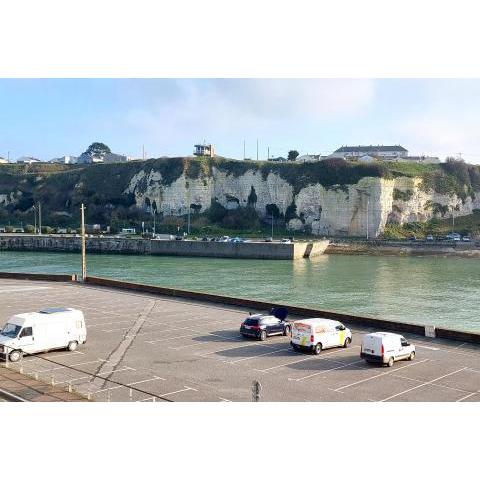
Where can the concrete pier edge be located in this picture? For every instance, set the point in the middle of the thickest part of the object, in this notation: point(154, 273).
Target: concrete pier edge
point(404, 327)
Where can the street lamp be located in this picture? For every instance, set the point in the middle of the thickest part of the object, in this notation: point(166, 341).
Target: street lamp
point(368, 195)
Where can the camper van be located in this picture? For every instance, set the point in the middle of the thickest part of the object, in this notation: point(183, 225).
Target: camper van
point(316, 334)
point(386, 348)
point(49, 329)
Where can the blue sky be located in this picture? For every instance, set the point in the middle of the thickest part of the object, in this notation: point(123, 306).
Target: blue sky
point(47, 118)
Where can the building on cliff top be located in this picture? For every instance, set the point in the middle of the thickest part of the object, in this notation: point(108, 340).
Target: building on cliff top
point(383, 152)
point(204, 150)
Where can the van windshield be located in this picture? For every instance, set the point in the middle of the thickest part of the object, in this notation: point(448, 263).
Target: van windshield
point(10, 330)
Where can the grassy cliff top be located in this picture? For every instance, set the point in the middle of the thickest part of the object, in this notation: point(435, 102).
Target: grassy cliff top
point(113, 179)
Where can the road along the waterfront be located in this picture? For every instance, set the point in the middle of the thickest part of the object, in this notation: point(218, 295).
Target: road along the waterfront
point(147, 347)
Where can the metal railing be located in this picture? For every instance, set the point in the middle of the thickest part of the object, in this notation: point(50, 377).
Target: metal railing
point(78, 381)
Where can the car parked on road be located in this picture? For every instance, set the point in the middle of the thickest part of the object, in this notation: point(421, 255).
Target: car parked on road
point(286, 240)
point(386, 348)
point(429, 238)
point(316, 334)
point(466, 238)
point(261, 326)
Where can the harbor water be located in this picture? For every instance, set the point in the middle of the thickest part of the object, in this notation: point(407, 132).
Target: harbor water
point(433, 290)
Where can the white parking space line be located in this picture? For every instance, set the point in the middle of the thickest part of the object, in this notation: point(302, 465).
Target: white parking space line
point(224, 399)
point(22, 289)
point(380, 375)
point(207, 354)
point(153, 332)
point(325, 371)
point(108, 323)
point(33, 359)
point(256, 356)
point(92, 376)
point(167, 339)
point(423, 384)
point(427, 347)
point(468, 396)
point(69, 366)
point(129, 384)
point(178, 391)
point(439, 385)
point(305, 359)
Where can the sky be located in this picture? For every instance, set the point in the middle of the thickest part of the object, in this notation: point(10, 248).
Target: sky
point(48, 118)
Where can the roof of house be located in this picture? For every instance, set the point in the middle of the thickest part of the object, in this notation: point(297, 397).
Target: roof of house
point(371, 148)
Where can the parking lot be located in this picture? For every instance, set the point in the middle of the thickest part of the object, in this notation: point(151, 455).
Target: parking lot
point(143, 347)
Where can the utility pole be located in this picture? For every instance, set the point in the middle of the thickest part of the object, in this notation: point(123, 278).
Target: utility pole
point(244, 149)
point(143, 152)
point(268, 153)
point(257, 149)
point(368, 205)
point(39, 218)
point(84, 257)
point(35, 219)
point(272, 226)
point(453, 219)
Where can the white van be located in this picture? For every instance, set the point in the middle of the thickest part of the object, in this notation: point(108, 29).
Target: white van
point(315, 334)
point(386, 348)
point(49, 329)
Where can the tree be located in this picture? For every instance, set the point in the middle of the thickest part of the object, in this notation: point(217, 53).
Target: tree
point(97, 149)
point(292, 155)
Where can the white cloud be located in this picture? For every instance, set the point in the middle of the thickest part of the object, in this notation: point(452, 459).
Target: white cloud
point(234, 106)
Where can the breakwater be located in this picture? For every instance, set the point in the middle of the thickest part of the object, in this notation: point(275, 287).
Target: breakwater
point(141, 246)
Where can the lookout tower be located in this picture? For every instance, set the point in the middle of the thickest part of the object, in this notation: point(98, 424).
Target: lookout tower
point(204, 150)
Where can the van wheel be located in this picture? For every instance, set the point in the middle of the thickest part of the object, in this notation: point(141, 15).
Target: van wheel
point(72, 346)
point(15, 356)
point(286, 331)
point(318, 348)
point(347, 342)
point(390, 362)
point(412, 356)
point(263, 335)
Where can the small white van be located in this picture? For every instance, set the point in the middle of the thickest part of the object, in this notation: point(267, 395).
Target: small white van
point(386, 348)
point(49, 329)
point(316, 334)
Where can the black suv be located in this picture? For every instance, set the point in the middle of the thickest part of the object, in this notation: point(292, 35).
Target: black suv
point(261, 326)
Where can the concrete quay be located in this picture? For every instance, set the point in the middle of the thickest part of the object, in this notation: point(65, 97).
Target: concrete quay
point(187, 248)
point(145, 346)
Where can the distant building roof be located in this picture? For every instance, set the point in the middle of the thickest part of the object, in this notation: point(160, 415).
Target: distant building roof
point(371, 148)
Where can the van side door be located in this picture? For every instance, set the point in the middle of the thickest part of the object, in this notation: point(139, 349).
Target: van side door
point(26, 340)
point(404, 348)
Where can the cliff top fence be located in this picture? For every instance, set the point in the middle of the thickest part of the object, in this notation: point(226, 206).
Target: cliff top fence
point(439, 332)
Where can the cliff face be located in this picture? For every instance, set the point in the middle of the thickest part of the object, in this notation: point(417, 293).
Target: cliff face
point(328, 197)
point(335, 210)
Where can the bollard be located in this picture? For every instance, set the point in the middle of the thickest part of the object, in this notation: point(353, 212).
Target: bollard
point(52, 380)
point(256, 389)
point(89, 396)
point(36, 376)
point(154, 399)
point(131, 394)
point(69, 386)
point(21, 370)
point(108, 395)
